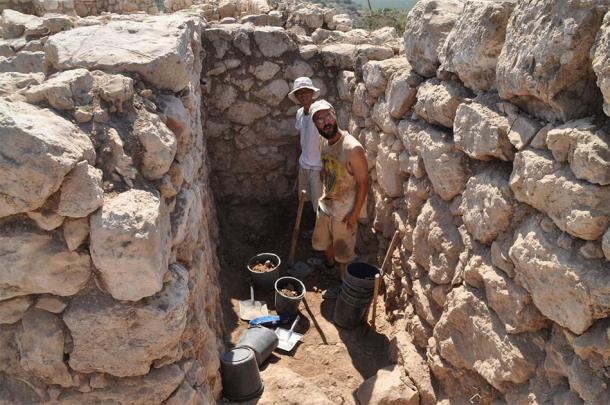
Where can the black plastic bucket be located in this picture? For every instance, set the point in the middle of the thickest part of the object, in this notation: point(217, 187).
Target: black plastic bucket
point(265, 281)
point(261, 340)
point(356, 294)
point(288, 305)
point(241, 379)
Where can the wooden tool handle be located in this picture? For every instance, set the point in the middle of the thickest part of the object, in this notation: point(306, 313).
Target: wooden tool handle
point(297, 227)
point(388, 254)
point(375, 294)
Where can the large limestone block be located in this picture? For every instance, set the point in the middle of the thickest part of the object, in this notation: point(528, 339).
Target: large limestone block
point(125, 339)
point(544, 65)
point(151, 389)
point(414, 364)
point(470, 335)
point(63, 90)
point(245, 112)
point(377, 73)
point(422, 300)
point(339, 56)
point(445, 165)
point(381, 117)
point(487, 205)
point(81, 192)
point(34, 262)
point(12, 310)
point(388, 175)
point(587, 380)
point(273, 93)
point(41, 347)
point(273, 42)
point(487, 128)
point(511, 303)
point(472, 47)
point(577, 207)
point(566, 288)
point(428, 24)
point(39, 149)
point(401, 92)
point(585, 147)
point(159, 144)
point(437, 101)
point(14, 23)
point(129, 244)
point(600, 54)
point(594, 344)
point(388, 386)
point(75, 231)
point(24, 62)
point(158, 48)
point(437, 243)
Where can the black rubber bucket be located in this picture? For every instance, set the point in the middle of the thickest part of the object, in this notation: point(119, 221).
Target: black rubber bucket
point(356, 294)
point(261, 340)
point(241, 379)
point(288, 305)
point(265, 281)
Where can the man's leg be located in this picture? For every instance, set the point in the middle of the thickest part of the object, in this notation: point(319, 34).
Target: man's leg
point(315, 188)
point(329, 256)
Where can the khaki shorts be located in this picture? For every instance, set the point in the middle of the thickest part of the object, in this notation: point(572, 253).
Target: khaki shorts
point(330, 231)
point(310, 181)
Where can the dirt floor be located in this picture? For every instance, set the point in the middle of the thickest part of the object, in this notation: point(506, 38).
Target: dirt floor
point(329, 361)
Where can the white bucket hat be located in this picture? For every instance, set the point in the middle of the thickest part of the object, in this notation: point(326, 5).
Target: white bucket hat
point(303, 83)
point(319, 106)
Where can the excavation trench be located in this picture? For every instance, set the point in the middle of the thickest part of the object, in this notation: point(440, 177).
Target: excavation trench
point(331, 359)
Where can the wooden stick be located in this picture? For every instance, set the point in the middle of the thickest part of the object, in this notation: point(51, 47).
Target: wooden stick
point(388, 254)
point(375, 294)
point(391, 248)
point(297, 227)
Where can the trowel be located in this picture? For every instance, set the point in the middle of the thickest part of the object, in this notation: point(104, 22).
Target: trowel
point(288, 338)
point(250, 309)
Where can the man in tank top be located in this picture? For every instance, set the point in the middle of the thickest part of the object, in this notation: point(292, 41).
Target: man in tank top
point(345, 181)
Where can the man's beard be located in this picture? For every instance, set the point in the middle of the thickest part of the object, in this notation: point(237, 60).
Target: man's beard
point(328, 131)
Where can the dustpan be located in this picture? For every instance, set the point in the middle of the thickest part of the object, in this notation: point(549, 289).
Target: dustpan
point(288, 338)
point(250, 309)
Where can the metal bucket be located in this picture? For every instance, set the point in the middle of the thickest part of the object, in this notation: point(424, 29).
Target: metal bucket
point(265, 281)
point(261, 340)
point(241, 379)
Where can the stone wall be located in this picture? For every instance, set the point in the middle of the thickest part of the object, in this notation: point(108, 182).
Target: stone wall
point(491, 155)
point(108, 265)
point(81, 8)
point(248, 72)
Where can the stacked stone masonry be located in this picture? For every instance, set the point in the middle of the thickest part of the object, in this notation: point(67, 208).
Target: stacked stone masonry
point(486, 135)
point(108, 266)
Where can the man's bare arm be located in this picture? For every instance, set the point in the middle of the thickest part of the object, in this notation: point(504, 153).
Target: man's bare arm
point(360, 171)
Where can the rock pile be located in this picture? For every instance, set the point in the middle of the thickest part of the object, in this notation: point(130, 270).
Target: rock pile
point(108, 262)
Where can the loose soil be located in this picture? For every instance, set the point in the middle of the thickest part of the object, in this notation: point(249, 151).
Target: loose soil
point(331, 358)
point(263, 267)
point(289, 291)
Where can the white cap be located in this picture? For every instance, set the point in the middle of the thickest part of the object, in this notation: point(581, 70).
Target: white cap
point(303, 83)
point(319, 106)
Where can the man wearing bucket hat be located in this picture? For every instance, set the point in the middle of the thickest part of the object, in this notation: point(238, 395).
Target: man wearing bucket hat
point(345, 178)
point(308, 151)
